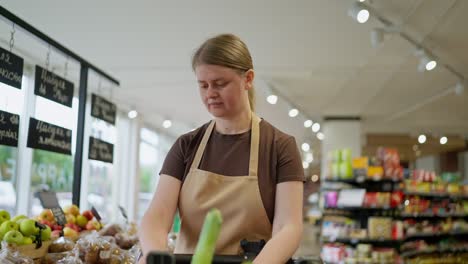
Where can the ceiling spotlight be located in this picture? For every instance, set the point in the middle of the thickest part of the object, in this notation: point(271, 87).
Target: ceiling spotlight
point(308, 123)
point(132, 114)
point(422, 139)
point(320, 136)
point(315, 127)
point(293, 112)
point(167, 123)
point(309, 157)
point(359, 12)
point(426, 63)
point(459, 88)
point(377, 37)
point(305, 147)
point(305, 165)
point(415, 147)
point(315, 178)
point(443, 140)
point(272, 99)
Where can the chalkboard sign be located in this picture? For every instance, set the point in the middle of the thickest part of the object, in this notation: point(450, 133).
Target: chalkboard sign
point(103, 109)
point(96, 214)
point(11, 68)
point(49, 201)
point(53, 87)
point(9, 127)
point(100, 150)
point(45, 136)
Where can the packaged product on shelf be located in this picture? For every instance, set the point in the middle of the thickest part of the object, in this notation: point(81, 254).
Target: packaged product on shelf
point(380, 227)
point(360, 166)
point(375, 172)
point(61, 244)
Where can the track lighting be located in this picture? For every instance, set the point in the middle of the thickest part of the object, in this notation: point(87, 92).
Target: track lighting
point(359, 12)
point(443, 140)
point(459, 88)
point(320, 136)
point(293, 112)
point(308, 123)
point(315, 127)
point(305, 147)
point(376, 37)
point(309, 157)
point(422, 139)
point(427, 63)
point(132, 114)
point(272, 99)
point(305, 165)
point(167, 123)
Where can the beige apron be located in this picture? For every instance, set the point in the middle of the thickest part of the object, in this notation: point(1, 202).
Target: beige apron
point(237, 197)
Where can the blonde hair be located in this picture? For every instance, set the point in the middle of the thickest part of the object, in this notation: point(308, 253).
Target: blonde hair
point(229, 51)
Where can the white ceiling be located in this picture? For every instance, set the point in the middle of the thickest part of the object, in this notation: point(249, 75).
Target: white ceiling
point(311, 51)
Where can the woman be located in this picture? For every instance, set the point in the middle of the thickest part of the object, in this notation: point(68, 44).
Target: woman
point(238, 163)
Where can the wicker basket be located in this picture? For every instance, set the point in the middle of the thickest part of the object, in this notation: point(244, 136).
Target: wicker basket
point(32, 252)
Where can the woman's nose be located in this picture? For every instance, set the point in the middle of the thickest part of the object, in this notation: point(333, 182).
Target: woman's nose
point(211, 92)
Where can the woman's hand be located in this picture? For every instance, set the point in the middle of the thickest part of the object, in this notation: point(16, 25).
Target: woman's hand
point(287, 224)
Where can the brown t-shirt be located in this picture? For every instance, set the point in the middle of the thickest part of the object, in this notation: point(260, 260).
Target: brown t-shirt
point(279, 158)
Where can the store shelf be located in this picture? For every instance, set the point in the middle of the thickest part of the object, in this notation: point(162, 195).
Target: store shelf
point(431, 215)
point(431, 235)
point(358, 208)
point(354, 241)
point(361, 179)
point(437, 195)
point(412, 253)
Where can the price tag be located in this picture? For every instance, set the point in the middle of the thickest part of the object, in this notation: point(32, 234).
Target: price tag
point(123, 212)
point(49, 201)
point(96, 214)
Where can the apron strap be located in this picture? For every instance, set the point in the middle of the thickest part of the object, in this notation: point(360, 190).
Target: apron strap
point(201, 147)
point(254, 145)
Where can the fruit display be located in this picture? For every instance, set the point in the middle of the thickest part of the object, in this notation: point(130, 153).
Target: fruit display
point(21, 230)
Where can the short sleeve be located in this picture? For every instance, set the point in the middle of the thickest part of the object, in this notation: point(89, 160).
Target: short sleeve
point(174, 164)
point(289, 162)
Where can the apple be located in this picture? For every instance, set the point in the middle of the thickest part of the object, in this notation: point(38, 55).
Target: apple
point(4, 216)
point(57, 227)
point(7, 226)
point(88, 214)
point(93, 225)
point(71, 209)
point(27, 240)
point(46, 234)
point(70, 218)
point(47, 215)
point(14, 237)
point(55, 234)
point(18, 218)
point(47, 223)
point(81, 221)
point(69, 232)
point(73, 226)
point(28, 227)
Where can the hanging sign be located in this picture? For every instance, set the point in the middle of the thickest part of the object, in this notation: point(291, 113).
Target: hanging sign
point(103, 109)
point(9, 127)
point(53, 87)
point(100, 150)
point(45, 136)
point(11, 68)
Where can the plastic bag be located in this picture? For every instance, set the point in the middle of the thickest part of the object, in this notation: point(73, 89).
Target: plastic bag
point(61, 244)
point(9, 255)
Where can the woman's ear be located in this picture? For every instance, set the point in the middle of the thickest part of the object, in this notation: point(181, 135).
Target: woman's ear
point(249, 77)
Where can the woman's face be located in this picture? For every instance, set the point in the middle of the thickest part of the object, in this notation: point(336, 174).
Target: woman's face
point(223, 90)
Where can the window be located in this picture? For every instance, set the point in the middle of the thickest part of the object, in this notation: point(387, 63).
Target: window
point(10, 101)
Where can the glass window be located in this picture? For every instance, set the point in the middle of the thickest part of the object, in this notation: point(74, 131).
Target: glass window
point(10, 101)
point(50, 170)
point(100, 173)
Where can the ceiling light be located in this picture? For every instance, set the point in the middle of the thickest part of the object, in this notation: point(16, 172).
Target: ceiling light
point(377, 37)
point(132, 114)
point(443, 140)
point(293, 112)
point(426, 63)
point(315, 178)
point(359, 12)
point(315, 127)
point(309, 157)
point(305, 165)
point(320, 136)
point(272, 99)
point(167, 123)
point(459, 88)
point(308, 123)
point(422, 139)
point(415, 147)
point(305, 147)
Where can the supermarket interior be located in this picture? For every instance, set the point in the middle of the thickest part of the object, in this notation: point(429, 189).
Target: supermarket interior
point(105, 107)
